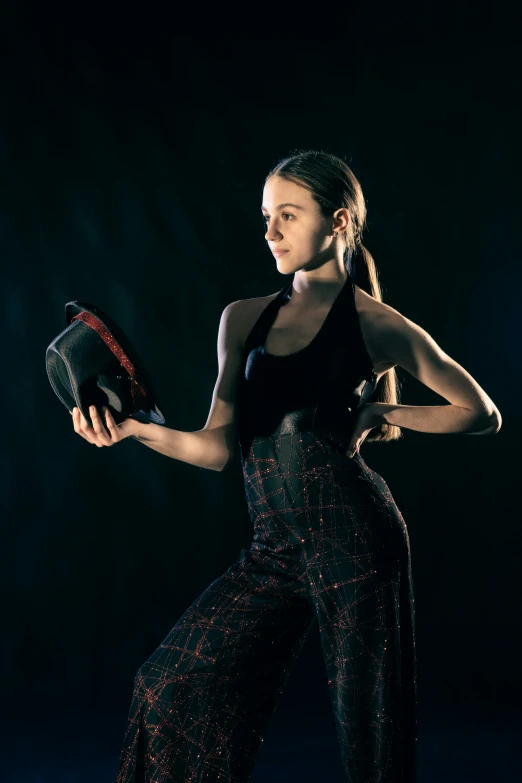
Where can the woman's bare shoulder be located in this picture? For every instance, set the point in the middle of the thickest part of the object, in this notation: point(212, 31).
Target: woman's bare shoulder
point(384, 328)
point(247, 311)
point(377, 320)
point(377, 315)
point(370, 308)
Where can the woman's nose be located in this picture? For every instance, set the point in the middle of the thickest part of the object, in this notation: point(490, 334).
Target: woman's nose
point(272, 233)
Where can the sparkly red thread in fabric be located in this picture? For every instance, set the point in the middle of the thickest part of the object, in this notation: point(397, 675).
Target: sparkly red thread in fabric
point(138, 392)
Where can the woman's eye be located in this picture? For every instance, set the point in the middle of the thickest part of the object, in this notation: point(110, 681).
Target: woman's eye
point(285, 214)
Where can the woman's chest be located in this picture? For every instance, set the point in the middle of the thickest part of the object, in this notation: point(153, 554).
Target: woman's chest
point(293, 330)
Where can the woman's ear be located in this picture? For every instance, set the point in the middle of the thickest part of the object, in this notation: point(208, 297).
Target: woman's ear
point(341, 220)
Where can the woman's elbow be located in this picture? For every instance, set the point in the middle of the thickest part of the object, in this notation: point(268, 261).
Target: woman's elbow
point(494, 423)
point(498, 424)
point(225, 464)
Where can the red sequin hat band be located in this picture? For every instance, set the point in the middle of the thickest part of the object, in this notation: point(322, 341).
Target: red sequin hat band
point(138, 393)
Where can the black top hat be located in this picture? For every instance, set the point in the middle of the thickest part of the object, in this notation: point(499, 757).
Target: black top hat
point(92, 362)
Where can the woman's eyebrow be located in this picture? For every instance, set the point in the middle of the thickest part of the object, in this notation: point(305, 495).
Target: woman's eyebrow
point(280, 206)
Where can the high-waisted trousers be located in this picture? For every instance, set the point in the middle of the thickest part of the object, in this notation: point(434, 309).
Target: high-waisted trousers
point(329, 545)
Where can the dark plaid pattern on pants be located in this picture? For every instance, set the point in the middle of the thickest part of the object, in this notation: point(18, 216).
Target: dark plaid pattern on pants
point(329, 546)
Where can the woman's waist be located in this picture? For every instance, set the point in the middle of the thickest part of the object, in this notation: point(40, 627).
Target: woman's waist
point(298, 451)
point(281, 420)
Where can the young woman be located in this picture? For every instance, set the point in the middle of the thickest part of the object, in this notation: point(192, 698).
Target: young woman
point(305, 376)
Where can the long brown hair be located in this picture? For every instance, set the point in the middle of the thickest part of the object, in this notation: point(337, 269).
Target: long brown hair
point(333, 185)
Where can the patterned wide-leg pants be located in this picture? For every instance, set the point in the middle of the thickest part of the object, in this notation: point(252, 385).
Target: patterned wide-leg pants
point(331, 546)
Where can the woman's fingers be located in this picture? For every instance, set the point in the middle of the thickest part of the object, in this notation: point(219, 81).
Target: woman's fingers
point(111, 424)
point(81, 425)
point(97, 434)
point(103, 439)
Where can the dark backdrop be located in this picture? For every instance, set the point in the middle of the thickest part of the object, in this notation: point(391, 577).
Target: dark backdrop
point(132, 162)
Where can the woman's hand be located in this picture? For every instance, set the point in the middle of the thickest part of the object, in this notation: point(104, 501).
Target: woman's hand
point(97, 434)
point(368, 418)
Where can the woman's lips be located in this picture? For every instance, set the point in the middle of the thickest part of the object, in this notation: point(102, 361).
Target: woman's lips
point(279, 252)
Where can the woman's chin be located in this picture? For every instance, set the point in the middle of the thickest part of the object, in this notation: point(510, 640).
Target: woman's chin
point(283, 264)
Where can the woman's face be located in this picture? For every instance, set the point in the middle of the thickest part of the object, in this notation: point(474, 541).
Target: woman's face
point(295, 224)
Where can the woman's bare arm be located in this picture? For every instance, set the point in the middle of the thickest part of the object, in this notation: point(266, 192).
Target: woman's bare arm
point(200, 448)
point(212, 447)
point(406, 344)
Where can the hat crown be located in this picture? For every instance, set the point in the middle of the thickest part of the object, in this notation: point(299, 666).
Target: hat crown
point(92, 362)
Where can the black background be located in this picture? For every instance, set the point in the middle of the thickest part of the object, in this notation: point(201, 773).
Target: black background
point(132, 162)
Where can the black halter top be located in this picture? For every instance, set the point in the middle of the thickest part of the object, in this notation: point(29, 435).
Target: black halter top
point(317, 387)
